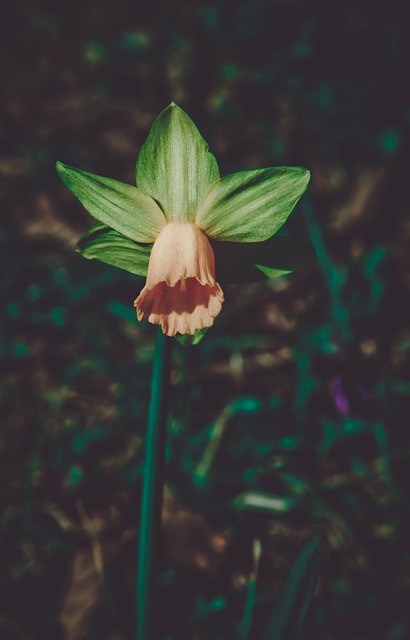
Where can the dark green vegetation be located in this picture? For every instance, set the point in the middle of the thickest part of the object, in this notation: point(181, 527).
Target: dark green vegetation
point(291, 417)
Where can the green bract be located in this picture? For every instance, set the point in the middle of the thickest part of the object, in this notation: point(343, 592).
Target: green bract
point(178, 181)
point(175, 166)
point(250, 206)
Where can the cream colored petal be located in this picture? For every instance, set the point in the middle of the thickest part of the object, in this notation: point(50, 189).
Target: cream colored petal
point(181, 251)
point(178, 310)
point(180, 293)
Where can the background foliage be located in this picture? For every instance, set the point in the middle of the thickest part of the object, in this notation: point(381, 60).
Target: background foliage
point(291, 418)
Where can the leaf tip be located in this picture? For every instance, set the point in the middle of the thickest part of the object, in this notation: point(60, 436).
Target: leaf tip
point(304, 176)
point(174, 110)
point(60, 166)
point(64, 171)
point(307, 174)
point(172, 107)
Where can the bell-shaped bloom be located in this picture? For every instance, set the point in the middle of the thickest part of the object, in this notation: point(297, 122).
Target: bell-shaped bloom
point(184, 227)
point(180, 293)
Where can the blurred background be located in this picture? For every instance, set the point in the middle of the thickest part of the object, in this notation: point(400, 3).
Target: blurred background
point(291, 417)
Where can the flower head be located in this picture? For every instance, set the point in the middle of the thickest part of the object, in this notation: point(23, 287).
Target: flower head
point(180, 293)
point(181, 215)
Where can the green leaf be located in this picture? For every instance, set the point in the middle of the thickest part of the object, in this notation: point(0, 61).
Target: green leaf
point(238, 262)
point(175, 166)
point(294, 597)
point(250, 206)
point(263, 502)
point(245, 624)
point(113, 248)
point(120, 206)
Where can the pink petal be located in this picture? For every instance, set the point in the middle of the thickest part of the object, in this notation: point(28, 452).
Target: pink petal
point(180, 293)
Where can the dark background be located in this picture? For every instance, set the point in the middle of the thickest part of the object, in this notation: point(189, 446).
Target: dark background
point(297, 398)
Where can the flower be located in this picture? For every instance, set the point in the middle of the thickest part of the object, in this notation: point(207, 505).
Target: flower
point(184, 225)
point(180, 293)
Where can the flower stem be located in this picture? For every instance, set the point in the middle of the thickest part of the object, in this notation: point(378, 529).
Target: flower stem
point(152, 493)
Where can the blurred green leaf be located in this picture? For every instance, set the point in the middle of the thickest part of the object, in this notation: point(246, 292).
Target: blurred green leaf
point(254, 501)
point(293, 599)
point(246, 621)
point(87, 439)
point(123, 311)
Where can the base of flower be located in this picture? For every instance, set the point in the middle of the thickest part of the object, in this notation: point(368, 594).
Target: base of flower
point(183, 308)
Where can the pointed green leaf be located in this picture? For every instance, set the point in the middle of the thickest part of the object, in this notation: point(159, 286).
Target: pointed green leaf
point(250, 206)
point(113, 248)
point(238, 262)
point(245, 625)
point(175, 166)
point(120, 206)
point(294, 597)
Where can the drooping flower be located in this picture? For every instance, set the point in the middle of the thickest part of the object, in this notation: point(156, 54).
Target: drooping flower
point(184, 227)
point(180, 293)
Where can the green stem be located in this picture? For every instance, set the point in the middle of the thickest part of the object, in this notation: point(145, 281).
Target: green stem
point(152, 493)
